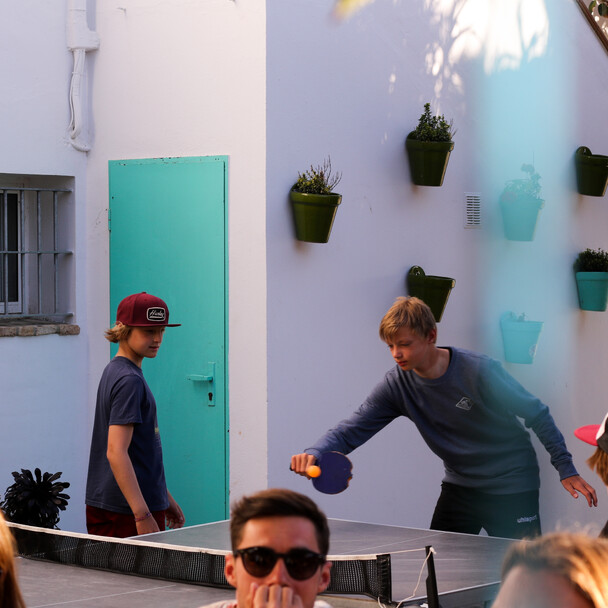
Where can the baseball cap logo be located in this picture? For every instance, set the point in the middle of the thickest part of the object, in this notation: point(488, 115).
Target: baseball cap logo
point(156, 314)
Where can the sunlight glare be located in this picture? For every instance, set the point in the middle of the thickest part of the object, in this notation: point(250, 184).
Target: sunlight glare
point(505, 34)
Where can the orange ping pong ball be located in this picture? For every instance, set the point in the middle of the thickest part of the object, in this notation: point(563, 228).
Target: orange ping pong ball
point(313, 471)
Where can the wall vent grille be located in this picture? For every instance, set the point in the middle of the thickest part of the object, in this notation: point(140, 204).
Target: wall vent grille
point(472, 210)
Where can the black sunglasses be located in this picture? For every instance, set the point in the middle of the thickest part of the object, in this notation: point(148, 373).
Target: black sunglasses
point(300, 563)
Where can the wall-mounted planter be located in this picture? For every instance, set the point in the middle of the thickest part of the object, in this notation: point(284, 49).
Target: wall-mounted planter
point(428, 160)
point(592, 290)
point(432, 290)
point(591, 172)
point(520, 337)
point(314, 215)
point(520, 216)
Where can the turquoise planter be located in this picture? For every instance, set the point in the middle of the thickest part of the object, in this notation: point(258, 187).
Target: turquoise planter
point(592, 290)
point(520, 217)
point(520, 337)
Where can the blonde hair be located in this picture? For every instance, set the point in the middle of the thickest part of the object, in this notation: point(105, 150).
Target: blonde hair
point(10, 595)
point(598, 462)
point(118, 332)
point(409, 312)
point(580, 559)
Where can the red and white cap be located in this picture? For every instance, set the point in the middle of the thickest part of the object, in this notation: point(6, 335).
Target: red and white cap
point(595, 434)
point(144, 310)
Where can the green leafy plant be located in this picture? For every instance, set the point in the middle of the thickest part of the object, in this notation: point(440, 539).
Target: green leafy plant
point(592, 260)
point(602, 7)
point(318, 180)
point(524, 188)
point(35, 500)
point(432, 128)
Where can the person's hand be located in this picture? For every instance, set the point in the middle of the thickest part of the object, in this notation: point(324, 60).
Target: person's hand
point(576, 484)
point(272, 596)
point(174, 515)
point(147, 526)
point(301, 462)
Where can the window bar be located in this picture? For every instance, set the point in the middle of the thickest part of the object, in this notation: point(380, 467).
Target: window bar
point(39, 248)
point(21, 249)
point(4, 248)
point(55, 282)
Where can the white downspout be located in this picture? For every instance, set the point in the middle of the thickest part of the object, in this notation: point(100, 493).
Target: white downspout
point(80, 39)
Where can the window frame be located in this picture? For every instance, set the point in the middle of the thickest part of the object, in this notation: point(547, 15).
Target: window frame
point(39, 232)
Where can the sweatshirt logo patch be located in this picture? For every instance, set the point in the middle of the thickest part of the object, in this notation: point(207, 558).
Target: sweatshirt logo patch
point(465, 404)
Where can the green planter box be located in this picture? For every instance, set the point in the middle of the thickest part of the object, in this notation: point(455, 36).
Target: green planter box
point(428, 160)
point(591, 172)
point(314, 215)
point(432, 290)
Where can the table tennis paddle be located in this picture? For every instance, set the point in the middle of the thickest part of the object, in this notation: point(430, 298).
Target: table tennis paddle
point(335, 475)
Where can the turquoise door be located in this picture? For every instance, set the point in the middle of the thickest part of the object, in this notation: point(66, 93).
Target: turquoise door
point(167, 223)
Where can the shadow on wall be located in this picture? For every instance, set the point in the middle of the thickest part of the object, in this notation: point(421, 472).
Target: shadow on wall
point(505, 35)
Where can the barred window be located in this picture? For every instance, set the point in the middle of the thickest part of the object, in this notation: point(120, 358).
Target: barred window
point(36, 241)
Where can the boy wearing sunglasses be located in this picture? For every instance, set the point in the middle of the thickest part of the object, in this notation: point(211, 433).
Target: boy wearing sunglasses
point(280, 541)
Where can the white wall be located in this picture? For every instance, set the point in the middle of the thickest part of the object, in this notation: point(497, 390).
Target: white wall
point(43, 405)
point(183, 78)
point(186, 78)
point(174, 78)
point(519, 80)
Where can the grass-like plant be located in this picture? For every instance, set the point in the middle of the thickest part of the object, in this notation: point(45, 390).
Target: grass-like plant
point(592, 260)
point(527, 187)
point(318, 180)
point(432, 128)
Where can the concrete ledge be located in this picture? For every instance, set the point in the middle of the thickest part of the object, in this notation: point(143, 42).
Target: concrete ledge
point(25, 327)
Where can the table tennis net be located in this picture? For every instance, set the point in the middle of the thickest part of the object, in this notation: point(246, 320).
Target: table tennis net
point(353, 575)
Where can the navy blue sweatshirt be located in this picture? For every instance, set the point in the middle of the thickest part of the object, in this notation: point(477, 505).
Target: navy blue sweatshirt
point(471, 417)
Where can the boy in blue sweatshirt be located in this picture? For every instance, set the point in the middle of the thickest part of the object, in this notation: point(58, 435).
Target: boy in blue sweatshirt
point(467, 409)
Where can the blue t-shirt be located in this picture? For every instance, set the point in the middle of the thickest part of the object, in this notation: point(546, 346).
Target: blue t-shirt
point(123, 397)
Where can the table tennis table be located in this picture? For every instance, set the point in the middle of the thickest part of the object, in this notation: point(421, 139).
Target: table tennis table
point(467, 570)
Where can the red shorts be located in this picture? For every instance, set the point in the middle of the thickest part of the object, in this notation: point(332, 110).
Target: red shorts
point(118, 525)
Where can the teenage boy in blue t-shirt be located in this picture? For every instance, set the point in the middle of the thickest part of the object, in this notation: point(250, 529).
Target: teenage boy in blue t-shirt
point(126, 492)
point(467, 409)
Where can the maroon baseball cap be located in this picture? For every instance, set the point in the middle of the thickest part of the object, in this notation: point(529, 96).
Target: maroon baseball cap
point(595, 434)
point(144, 310)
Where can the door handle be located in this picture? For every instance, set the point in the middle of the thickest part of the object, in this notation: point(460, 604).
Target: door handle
point(199, 378)
point(210, 377)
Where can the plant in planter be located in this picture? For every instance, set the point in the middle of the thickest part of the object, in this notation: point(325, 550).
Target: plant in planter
point(428, 148)
point(520, 204)
point(591, 272)
point(591, 172)
point(315, 203)
point(35, 500)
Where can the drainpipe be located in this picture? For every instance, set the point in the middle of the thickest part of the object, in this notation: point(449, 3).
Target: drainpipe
point(80, 39)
